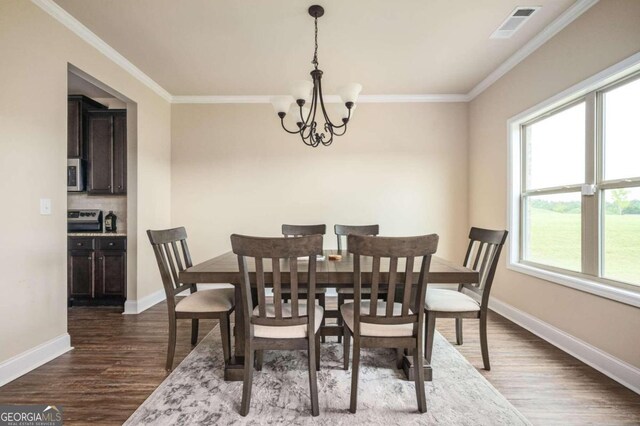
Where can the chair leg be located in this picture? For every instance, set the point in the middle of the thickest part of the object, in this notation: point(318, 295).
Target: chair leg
point(259, 358)
point(459, 331)
point(347, 340)
point(340, 322)
point(430, 330)
point(484, 346)
point(418, 365)
point(318, 351)
point(194, 331)
point(354, 375)
point(313, 381)
point(323, 302)
point(399, 358)
point(171, 349)
point(225, 333)
point(248, 379)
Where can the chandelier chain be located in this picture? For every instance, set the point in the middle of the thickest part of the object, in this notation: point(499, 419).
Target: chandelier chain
point(315, 53)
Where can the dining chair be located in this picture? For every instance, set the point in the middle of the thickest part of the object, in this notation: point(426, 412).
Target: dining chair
point(346, 293)
point(215, 303)
point(385, 323)
point(482, 255)
point(300, 231)
point(278, 325)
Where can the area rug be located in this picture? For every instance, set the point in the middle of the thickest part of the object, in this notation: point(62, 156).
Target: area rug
point(196, 394)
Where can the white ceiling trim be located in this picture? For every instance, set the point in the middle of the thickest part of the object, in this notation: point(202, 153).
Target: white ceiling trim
point(90, 37)
point(571, 14)
point(328, 99)
point(413, 98)
point(567, 17)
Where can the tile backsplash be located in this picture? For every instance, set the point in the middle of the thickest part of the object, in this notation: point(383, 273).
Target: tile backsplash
point(115, 203)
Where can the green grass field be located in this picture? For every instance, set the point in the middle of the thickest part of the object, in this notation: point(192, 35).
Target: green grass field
point(555, 240)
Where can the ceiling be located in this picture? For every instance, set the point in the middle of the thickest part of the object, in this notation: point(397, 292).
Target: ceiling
point(257, 47)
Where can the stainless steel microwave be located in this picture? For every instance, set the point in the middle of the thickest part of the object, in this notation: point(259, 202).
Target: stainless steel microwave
point(75, 175)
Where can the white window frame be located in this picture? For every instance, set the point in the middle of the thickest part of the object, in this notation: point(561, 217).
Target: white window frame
point(602, 287)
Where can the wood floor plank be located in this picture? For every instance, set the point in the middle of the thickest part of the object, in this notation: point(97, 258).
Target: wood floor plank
point(118, 361)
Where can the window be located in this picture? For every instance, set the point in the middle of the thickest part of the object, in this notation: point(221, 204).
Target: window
point(554, 153)
point(575, 192)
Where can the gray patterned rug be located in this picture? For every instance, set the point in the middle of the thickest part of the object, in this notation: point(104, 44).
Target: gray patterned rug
point(195, 392)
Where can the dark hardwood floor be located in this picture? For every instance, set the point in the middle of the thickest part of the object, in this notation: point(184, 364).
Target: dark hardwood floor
point(118, 361)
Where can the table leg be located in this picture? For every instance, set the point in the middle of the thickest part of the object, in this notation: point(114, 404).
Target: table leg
point(233, 371)
point(239, 324)
point(409, 368)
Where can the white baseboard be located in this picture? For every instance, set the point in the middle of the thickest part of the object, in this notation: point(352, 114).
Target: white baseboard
point(33, 358)
point(132, 307)
point(619, 370)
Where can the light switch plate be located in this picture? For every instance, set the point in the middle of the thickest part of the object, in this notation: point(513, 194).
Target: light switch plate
point(45, 206)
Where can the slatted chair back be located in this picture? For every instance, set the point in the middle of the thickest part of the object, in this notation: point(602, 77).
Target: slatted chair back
point(391, 252)
point(303, 230)
point(172, 254)
point(280, 253)
point(344, 230)
point(482, 255)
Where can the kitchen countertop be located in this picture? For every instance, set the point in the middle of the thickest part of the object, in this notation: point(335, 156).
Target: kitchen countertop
point(96, 234)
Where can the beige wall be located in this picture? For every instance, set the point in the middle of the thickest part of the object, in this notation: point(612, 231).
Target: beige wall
point(603, 36)
point(35, 50)
point(403, 166)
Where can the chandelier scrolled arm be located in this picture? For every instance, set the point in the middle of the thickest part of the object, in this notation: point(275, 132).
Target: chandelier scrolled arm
point(293, 132)
point(305, 117)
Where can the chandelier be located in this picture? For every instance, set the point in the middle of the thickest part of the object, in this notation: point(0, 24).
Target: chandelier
point(304, 90)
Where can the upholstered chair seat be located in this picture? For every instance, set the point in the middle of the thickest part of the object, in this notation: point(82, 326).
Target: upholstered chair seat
point(288, 332)
point(379, 330)
point(216, 300)
point(450, 301)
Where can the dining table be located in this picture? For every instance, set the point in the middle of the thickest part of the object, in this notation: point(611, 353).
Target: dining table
point(329, 273)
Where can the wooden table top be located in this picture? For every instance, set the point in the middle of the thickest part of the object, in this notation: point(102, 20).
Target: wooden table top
point(224, 269)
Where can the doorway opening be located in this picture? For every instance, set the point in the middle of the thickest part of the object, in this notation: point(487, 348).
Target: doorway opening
point(101, 193)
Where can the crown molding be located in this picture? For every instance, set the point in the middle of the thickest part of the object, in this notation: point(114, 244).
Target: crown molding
point(454, 97)
point(558, 24)
point(567, 17)
point(259, 99)
point(90, 37)
point(230, 99)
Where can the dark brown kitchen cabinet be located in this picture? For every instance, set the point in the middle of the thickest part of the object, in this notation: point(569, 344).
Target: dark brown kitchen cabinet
point(111, 273)
point(80, 273)
point(107, 152)
point(97, 272)
point(100, 144)
point(120, 154)
point(78, 107)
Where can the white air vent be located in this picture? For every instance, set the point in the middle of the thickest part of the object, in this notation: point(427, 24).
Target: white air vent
point(514, 21)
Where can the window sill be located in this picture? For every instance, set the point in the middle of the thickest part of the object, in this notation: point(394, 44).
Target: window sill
point(588, 286)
